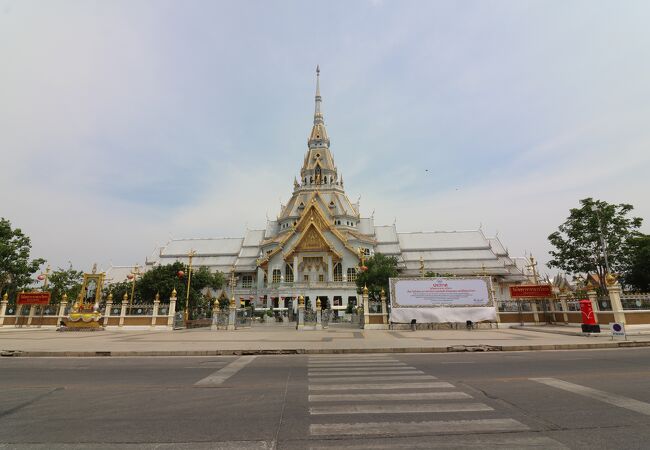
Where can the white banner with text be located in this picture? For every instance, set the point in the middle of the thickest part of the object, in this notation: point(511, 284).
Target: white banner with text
point(440, 300)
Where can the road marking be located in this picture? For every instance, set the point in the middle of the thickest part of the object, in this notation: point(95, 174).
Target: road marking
point(354, 363)
point(612, 399)
point(395, 371)
point(357, 365)
point(350, 357)
point(375, 397)
point(349, 387)
point(457, 362)
point(436, 426)
point(400, 408)
point(483, 442)
point(374, 378)
point(226, 372)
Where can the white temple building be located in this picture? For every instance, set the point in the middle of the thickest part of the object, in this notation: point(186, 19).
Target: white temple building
point(313, 247)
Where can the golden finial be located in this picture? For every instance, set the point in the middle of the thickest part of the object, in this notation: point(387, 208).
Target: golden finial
point(125, 297)
point(157, 296)
point(610, 279)
point(110, 297)
point(232, 302)
point(301, 300)
point(382, 293)
point(174, 293)
point(318, 303)
point(5, 297)
point(365, 290)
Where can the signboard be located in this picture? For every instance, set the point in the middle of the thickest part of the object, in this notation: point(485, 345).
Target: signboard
point(531, 291)
point(33, 298)
point(439, 300)
point(618, 330)
point(435, 292)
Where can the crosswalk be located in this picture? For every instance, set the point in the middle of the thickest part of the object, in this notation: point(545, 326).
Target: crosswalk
point(350, 394)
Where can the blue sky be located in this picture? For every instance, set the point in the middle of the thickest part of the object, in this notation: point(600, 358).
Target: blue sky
point(123, 123)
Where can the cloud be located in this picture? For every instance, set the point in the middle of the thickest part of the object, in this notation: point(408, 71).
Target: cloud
point(122, 123)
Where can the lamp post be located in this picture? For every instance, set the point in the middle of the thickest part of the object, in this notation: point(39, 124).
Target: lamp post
point(190, 255)
point(596, 209)
point(135, 272)
point(44, 277)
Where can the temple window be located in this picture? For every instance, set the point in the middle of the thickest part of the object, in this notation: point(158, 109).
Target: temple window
point(321, 277)
point(277, 276)
point(352, 274)
point(288, 273)
point(247, 281)
point(338, 272)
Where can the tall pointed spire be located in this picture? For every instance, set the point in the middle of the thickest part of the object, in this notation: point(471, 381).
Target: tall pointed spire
point(318, 116)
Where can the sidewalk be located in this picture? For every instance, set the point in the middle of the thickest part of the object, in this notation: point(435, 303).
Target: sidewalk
point(271, 340)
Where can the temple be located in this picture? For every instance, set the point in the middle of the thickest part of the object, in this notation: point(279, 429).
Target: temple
point(315, 246)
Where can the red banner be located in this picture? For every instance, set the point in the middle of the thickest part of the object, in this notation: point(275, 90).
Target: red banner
point(33, 298)
point(531, 291)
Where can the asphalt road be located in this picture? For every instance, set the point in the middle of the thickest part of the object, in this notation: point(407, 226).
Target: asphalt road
point(545, 400)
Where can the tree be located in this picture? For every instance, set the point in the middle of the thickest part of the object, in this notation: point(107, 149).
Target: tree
point(63, 281)
point(16, 269)
point(163, 279)
point(637, 274)
point(578, 246)
point(380, 269)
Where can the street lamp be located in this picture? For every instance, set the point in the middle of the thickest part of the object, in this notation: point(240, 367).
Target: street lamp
point(189, 279)
point(135, 272)
point(596, 209)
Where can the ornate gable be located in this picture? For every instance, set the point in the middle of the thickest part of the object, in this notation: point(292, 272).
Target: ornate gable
point(313, 214)
point(312, 240)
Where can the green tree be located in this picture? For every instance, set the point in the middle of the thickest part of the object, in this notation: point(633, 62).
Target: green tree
point(578, 247)
point(163, 279)
point(16, 268)
point(65, 281)
point(637, 273)
point(380, 269)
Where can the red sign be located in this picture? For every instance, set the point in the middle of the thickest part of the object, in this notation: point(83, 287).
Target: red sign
point(33, 298)
point(531, 291)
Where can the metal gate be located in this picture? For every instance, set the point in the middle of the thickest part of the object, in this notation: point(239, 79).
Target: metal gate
point(243, 318)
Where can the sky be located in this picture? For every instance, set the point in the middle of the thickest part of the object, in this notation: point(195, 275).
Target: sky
point(126, 123)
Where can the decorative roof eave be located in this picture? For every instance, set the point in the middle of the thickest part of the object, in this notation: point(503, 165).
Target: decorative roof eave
point(362, 236)
point(292, 250)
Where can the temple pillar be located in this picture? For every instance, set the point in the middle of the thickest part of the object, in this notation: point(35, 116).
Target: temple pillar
point(615, 299)
point(300, 324)
point(154, 314)
point(296, 275)
point(172, 310)
point(232, 314)
point(366, 308)
point(565, 307)
point(330, 268)
point(3, 308)
point(384, 307)
point(109, 306)
point(125, 302)
point(319, 318)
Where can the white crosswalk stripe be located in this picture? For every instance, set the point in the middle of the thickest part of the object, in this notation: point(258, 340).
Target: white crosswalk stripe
point(405, 371)
point(357, 386)
point(374, 378)
point(342, 389)
point(401, 396)
point(399, 408)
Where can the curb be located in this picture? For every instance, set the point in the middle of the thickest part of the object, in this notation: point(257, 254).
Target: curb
point(302, 351)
